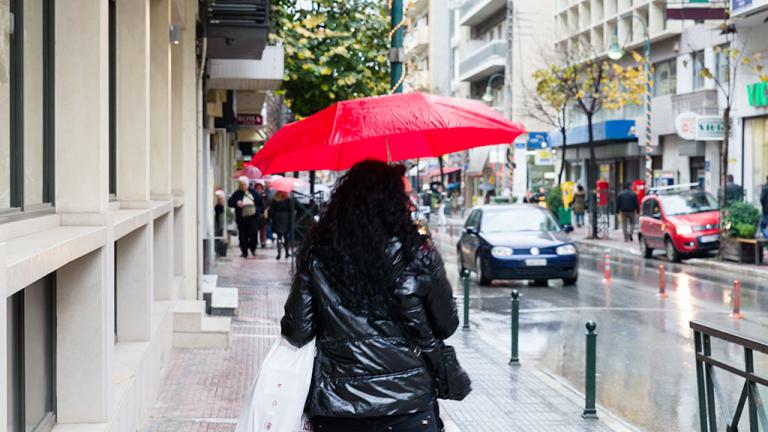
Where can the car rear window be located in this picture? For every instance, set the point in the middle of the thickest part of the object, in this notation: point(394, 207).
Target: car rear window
point(518, 219)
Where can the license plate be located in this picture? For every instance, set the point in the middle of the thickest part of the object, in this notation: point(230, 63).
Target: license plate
point(536, 262)
point(710, 238)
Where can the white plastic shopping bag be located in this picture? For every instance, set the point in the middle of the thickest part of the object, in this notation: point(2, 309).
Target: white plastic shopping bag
point(276, 402)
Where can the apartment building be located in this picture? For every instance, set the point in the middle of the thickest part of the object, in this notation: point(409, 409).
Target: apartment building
point(426, 46)
point(104, 140)
point(485, 53)
point(682, 43)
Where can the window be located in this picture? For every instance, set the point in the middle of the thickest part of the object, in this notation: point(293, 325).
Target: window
point(26, 115)
point(722, 66)
point(31, 357)
point(665, 78)
point(697, 65)
point(112, 98)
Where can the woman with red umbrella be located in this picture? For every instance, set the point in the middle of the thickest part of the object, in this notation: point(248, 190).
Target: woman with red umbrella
point(373, 292)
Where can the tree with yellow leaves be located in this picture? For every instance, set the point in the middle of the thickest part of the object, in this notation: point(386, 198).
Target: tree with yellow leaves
point(334, 50)
point(590, 83)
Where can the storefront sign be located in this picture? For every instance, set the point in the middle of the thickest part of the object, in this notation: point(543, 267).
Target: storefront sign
point(538, 140)
point(544, 157)
point(685, 125)
point(250, 119)
point(709, 128)
point(758, 94)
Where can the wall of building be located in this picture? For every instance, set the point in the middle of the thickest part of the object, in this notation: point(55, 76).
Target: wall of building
point(119, 263)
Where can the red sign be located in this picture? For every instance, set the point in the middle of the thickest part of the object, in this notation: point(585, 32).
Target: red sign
point(250, 119)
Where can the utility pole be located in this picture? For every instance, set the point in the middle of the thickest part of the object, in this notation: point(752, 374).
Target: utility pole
point(396, 51)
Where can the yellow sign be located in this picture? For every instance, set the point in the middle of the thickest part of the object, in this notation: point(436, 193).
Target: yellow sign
point(569, 190)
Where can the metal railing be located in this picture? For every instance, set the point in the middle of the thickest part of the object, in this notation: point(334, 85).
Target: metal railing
point(495, 47)
point(711, 395)
point(468, 5)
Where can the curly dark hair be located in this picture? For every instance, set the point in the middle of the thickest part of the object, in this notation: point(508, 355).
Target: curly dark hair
point(368, 208)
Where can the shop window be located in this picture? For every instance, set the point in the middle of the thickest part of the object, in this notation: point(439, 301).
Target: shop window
point(665, 78)
point(26, 115)
point(697, 65)
point(31, 353)
point(756, 132)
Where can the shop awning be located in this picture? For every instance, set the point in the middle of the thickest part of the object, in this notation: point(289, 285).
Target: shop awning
point(477, 159)
point(611, 130)
point(446, 171)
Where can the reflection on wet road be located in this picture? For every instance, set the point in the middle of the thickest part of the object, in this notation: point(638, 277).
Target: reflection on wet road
point(646, 368)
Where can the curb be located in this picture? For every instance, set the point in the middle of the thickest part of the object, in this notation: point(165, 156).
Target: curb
point(700, 263)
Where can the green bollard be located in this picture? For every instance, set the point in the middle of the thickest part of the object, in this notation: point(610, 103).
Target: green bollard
point(515, 327)
point(591, 369)
point(465, 279)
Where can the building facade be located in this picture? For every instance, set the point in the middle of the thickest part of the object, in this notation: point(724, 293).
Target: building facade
point(105, 137)
point(494, 52)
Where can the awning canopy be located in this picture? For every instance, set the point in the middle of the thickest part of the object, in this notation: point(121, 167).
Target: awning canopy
point(477, 159)
point(446, 171)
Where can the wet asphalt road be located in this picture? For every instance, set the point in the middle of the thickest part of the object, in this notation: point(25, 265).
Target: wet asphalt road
point(646, 368)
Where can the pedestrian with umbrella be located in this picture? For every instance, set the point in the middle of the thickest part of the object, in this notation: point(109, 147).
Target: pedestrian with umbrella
point(281, 220)
point(248, 207)
point(373, 293)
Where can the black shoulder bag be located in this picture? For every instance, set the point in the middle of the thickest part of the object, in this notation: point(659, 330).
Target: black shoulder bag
point(451, 379)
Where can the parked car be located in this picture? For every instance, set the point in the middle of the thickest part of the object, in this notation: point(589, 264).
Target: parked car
point(681, 222)
point(518, 241)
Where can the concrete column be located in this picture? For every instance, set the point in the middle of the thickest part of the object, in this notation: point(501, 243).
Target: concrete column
point(85, 339)
point(163, 257)
point(133, 107)
point(81, 107)
point(3, 338)
point(133, 261)
point(160, 99)
point(188, 238)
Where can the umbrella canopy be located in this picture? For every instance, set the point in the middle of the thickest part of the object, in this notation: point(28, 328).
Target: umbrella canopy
point(387, 128)
point(286, 184)
point(249, 171)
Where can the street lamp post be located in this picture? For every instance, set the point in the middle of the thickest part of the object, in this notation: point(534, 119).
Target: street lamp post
point(615, 52)
point(488, 98)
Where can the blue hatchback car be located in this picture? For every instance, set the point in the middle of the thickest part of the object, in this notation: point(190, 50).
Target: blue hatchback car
point(517, 241)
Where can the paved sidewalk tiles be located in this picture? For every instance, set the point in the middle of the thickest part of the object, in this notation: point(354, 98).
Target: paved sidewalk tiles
point(204, 388)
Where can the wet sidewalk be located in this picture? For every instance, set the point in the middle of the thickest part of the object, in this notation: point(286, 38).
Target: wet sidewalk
point(204, 388)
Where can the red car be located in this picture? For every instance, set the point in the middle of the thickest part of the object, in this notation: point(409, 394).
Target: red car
point(682, 222)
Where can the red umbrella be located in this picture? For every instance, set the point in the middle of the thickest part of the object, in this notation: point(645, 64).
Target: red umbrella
point(249, 171)
point(286, 184)
point(388, 128)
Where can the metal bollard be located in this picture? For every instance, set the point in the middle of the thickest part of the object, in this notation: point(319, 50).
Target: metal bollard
point(591, 370)
point(514, 359)
point(465, 279)
point(662, 282)
point(736, 300)
point(607, 268)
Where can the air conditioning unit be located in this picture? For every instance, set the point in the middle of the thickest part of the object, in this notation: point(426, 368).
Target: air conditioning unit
point(237, 29)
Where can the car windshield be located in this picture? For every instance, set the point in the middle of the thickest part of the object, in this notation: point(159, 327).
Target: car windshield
point(518, 219)
point(688, 203)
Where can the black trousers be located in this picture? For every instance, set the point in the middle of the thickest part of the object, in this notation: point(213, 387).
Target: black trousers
point(419, 422)
point(248, 233)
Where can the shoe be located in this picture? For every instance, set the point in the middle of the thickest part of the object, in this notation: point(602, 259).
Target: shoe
point(287, 254)
point(263, 245)
point(243, 255)
point(253, 251)
point(278, 256)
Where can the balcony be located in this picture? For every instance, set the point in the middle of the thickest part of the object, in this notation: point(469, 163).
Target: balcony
point(419, 80)
point(238, 74)
point(486, 60)
point(416, 40)
point(473, 12)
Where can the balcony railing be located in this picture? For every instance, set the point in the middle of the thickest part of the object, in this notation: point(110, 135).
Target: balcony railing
point(490, 53)
point(472, 12)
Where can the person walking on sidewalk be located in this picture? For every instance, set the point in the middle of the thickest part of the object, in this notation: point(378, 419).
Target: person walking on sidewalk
point(280, 217)
point(626, 205)
point(263, 216)
point(248, 209)
point(374, 294)
point(579, 205)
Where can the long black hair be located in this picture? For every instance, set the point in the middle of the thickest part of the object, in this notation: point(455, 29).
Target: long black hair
point(368, 208)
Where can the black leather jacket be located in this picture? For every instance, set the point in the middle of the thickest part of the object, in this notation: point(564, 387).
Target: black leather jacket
point(365, 367)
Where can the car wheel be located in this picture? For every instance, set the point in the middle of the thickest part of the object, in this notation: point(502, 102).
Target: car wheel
point(483, 280)
point(644, 249)
point(672, 254)
point(571, 281)
point(540, 282)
